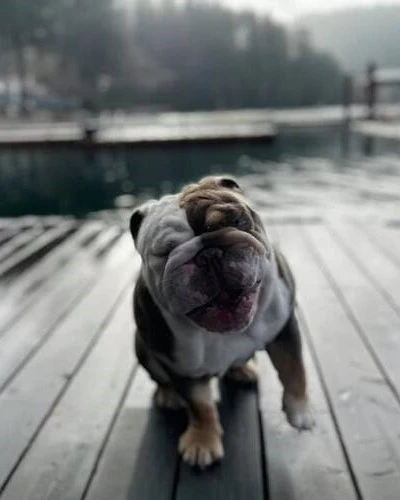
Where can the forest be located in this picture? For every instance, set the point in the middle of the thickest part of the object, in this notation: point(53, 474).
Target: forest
point(162, 55)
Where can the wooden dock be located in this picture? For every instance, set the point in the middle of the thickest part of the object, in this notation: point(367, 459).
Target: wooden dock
point(136, 134)
point(377, 128)
point(177, 129)
point(76, 413)
point(181, 129)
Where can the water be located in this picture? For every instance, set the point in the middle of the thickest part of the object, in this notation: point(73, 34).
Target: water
point(301, 168)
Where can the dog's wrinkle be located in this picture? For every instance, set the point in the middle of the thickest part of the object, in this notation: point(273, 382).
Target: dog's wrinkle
point(209, 206)
point(188, 291)
point(231, 215)
point(165, 242)
point(164, 218)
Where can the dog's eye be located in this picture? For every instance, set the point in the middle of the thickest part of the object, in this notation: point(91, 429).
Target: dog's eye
point(164, 248)
point(229, 183)
point(243, 223)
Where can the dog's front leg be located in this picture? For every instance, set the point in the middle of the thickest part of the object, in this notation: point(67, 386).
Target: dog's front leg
point(286, 355)
point(201, 444)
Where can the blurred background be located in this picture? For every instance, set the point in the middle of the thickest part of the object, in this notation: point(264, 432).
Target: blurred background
point(106, 102)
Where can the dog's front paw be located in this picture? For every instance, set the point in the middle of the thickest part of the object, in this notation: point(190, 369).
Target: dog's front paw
point(200, 446)
point(298, 412)
point(245, 374)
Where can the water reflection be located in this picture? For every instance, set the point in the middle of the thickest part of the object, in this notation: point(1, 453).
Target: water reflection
point(78, 181)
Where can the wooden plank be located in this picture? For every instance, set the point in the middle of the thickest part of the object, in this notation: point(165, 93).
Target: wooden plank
point(26, 287)
point(44, 281)
point(30, 398)
point(306, 465)
point(19, 241)
point(375, 264)
point(7, 233)
point(60, 461)
point(377, 322)
point(387, 238)
point(31, 330)
point(240, 474)
point(108, 239)
point(37, 248)
point(27, 221)
point(365, 409)
point(140, 460)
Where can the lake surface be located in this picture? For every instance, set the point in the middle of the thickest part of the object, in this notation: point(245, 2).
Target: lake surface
point(300, 167)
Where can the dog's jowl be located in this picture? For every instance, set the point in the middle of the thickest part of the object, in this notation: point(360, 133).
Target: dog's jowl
point(212, 291)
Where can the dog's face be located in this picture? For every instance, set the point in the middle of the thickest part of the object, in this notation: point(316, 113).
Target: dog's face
point(205, 254)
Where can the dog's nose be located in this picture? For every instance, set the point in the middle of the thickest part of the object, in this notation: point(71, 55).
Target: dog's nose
point(210, 258)
point(231, 295)
point(235, 292)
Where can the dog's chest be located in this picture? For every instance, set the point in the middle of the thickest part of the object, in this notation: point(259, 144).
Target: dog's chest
point(211, 354)
point(198, 353)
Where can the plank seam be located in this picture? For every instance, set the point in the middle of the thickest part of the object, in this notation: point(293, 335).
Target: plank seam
point(110, 429)
point(392, 256)
point(177, 476)
point(317, 366)
point(263, 451)
point(36, 250)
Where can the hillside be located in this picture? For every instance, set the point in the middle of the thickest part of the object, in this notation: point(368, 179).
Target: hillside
point(358, 35)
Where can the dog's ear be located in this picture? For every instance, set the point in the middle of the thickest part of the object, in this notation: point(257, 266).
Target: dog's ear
point(136, 221)
point(138, 216)
point(229, 182)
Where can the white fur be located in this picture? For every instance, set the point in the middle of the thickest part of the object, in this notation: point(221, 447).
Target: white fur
point(298, 412)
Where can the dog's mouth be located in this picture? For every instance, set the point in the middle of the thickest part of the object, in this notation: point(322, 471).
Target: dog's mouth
point(228, 312)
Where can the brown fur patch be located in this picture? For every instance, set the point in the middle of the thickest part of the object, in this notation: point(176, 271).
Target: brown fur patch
point(215, 217)
point(213, 203)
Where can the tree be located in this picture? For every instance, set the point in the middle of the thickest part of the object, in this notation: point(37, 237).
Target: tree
point(25, 24)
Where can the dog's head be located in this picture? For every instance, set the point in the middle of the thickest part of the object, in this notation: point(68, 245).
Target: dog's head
point(205, 254)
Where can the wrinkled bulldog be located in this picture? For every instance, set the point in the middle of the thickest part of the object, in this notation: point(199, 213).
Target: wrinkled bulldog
point(212, 291)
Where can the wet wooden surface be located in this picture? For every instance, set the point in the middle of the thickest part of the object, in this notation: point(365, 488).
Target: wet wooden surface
point(76, 414)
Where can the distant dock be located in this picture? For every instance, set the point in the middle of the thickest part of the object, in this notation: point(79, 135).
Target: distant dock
point(136, 133)
point(112, 131)
point(378, 129)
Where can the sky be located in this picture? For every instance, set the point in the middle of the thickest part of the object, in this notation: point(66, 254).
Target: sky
point(287, 10)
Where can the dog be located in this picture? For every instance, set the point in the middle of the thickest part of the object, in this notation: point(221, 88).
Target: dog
point(212, 291)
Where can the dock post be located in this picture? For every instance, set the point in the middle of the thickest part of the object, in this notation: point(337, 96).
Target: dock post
point(347, 97)
point(371, 86)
